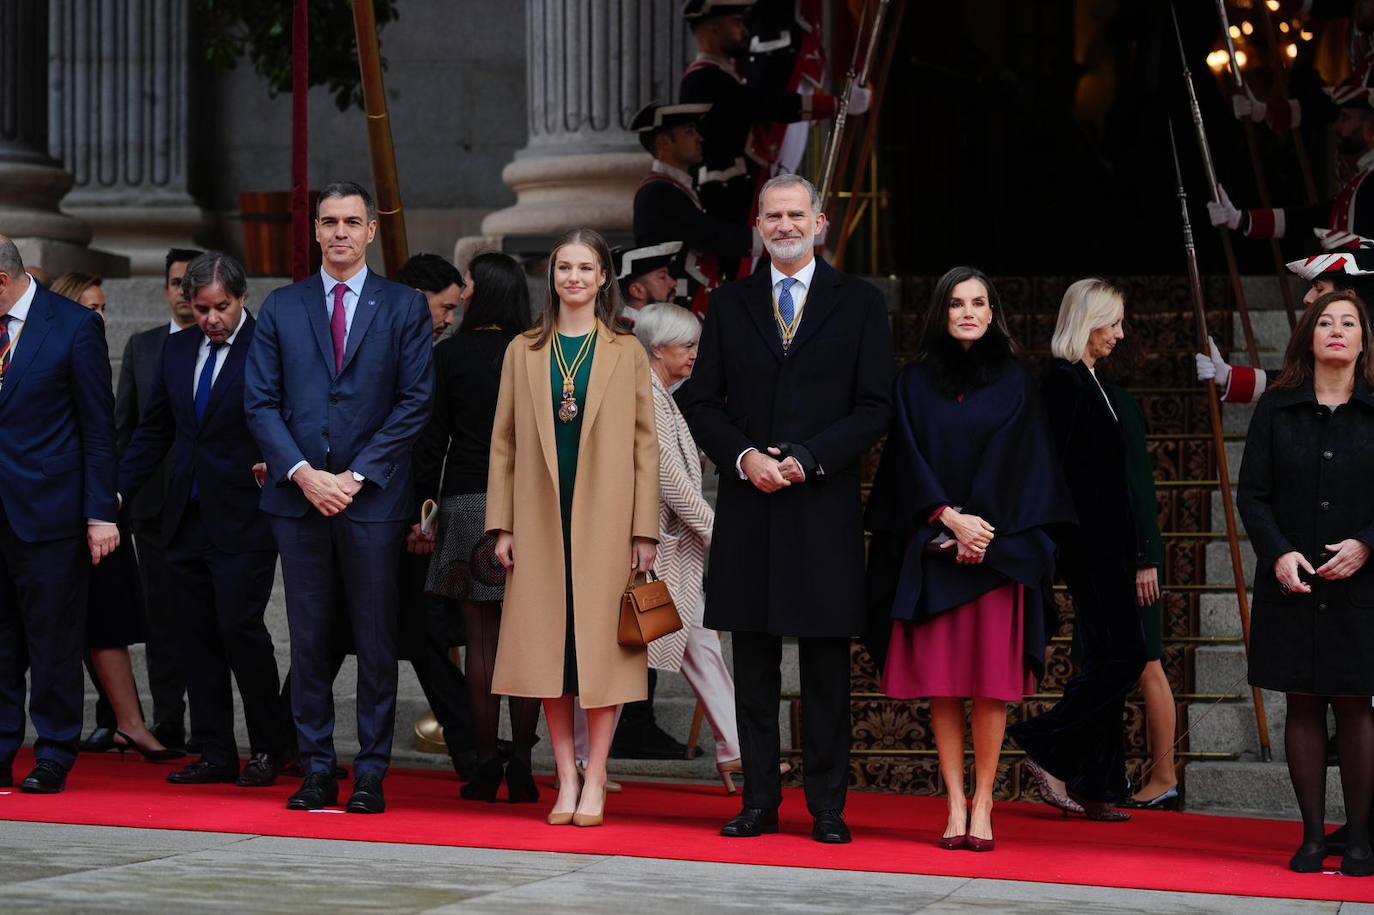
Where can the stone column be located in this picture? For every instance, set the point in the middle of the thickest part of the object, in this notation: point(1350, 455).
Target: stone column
point(118, 120)
point(590, 65)
point(32, 184)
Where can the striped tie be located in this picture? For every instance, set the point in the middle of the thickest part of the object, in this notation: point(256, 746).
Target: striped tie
point(6, 345)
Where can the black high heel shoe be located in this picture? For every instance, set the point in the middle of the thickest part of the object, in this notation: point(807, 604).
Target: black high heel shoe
point(1168, 800)
point(485, 782)
point(163, 755)
point(1308, 859)
point(520, 785)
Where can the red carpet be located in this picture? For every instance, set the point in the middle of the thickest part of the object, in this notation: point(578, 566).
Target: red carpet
point(1159, 851)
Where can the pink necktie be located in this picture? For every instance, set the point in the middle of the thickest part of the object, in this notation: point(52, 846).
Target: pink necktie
point(337, 326)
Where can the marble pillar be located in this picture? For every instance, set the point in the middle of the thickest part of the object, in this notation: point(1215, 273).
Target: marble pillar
point(590, 65)
point(118, 120)
point(32, 182)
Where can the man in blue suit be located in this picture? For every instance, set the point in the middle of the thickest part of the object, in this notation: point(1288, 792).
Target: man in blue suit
point(221, 558)
point(338, 387)
point(57, 511)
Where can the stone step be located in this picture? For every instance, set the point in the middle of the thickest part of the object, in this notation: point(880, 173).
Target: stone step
point(1219, 669)
point(1229, 727)
point(1218, 615)
point(1218, 564)
point(1254, 787)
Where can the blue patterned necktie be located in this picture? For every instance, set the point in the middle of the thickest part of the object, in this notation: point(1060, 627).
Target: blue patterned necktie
point(787, 310)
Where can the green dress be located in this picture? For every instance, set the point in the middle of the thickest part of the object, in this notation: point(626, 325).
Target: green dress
point(567, 440)
point(1145, 506)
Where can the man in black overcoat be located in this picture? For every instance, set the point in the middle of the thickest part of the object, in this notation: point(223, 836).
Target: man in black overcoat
point(792, 385)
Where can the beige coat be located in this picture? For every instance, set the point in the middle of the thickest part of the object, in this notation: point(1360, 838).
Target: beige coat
point(616, 498)
point(684, 523)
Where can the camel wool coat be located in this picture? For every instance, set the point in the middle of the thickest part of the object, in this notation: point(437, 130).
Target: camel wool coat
point(615, 499)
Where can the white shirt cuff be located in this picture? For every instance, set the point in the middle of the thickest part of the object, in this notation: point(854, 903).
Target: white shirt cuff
point(358, 477)
point(297, 466)
point(740, 460)
point(98, 521)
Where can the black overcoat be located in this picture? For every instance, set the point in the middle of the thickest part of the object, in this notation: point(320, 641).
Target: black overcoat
point(1307, 480)
point(988, 453)
point(1092, 448)
point(791, 563)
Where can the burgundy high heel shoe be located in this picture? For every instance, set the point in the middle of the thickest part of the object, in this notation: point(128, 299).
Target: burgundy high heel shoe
point(973, 843)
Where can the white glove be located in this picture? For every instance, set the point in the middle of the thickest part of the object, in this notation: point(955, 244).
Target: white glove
point(1223, 212)
point(1211, 367)
point(858, 100)
point(1245, 105)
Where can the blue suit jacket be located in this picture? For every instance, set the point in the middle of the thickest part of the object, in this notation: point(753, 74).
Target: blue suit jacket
point(364, 418)
point(218, 453)
point(57, 423)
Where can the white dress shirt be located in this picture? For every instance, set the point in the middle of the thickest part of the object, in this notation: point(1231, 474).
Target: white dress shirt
point(355, 291)
point(19, 313)
point(221, 355)
point(799, 291)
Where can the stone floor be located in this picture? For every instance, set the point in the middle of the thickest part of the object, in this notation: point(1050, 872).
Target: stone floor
point(52, 868)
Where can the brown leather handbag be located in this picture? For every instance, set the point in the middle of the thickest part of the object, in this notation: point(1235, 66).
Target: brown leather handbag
point(647, 612)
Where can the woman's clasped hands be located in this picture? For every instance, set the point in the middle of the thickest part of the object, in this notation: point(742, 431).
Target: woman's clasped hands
point(974, 535)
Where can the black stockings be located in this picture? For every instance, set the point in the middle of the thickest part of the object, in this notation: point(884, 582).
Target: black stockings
point(482, 621)
point(1305, 745)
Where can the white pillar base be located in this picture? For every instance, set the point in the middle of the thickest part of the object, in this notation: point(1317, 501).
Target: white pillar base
point(143, 233)
point(557, 193)
point(59, 257)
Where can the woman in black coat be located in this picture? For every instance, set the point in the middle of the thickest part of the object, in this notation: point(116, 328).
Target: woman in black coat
point(1307, 499)
point(455, 445)
point(1074, 751)
point(962, 562)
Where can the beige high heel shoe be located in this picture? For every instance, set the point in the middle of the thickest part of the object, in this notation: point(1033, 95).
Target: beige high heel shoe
point(734, 767)
point(591, 819)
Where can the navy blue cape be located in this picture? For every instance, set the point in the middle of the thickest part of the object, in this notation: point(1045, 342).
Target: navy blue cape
point(989, 453)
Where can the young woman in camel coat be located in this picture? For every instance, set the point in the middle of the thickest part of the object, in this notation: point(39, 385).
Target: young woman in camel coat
point(599, 483)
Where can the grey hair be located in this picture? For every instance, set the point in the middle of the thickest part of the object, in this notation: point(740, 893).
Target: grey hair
point(214, 267)
point(10, 261)
point(340, 189)
point(790, 180)
point(664, 324)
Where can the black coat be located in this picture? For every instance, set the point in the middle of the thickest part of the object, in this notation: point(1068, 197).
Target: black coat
point(137, 375)
point(218, 454)
point(988, 453)
point(1092, 450)
point(1307, 481)
point(791, 563)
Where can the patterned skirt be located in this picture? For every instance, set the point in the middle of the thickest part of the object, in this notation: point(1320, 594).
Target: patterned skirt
point(464, 564)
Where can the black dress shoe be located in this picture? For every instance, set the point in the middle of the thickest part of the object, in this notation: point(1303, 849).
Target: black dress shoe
point(1308, 859)
point(367, 795)
point(46, 778)
point(465, 764)
point(260, 772)
point(830, 828)
point(100, 740)
point(751, 822)
point(485, 782)
point(204, 773)
point(317, 792)
point(1359, 864)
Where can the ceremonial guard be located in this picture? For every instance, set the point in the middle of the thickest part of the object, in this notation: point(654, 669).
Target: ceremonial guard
point(645, 276)
point(1330, 271)
point(668, 209)
point(729, 176)
point(1349, 215)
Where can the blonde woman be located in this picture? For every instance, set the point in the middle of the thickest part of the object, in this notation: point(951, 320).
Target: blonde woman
point(1074, 751)
point(572, 499)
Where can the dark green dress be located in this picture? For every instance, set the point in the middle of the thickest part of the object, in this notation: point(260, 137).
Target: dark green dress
point(1145, 506)
point(568, 440)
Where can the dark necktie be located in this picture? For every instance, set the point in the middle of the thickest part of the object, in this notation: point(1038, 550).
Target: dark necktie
point(207, 380)
point(6, 344)
point(338, 328)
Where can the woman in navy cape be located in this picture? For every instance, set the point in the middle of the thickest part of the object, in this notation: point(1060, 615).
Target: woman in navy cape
point(962, 561)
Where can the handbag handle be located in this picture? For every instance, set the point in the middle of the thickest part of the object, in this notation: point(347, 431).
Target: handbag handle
point(648, 577)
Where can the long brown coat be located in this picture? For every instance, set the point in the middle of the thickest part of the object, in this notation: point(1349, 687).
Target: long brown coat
point(616, 498)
